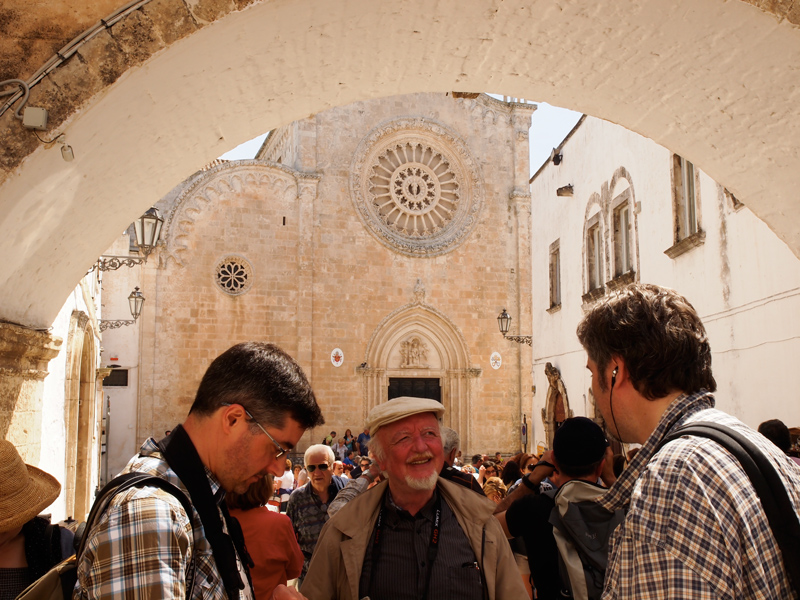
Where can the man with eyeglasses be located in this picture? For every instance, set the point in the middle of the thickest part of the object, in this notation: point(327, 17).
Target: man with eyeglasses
point(252, 406)
point(308, 504)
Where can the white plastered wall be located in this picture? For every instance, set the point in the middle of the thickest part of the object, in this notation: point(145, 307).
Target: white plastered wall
point(743, 281)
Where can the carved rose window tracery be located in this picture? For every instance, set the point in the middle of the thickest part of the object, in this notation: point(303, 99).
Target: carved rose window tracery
point(414, 190)
point(416, 187)
point(233, 275)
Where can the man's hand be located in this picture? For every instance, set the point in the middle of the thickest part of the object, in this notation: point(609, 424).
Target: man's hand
point(287, 593)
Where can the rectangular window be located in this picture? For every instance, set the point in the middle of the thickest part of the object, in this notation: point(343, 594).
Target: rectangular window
point(594, 263)
point(686, 198)
point(117, 378)
point(622, 239)
point(555, 274)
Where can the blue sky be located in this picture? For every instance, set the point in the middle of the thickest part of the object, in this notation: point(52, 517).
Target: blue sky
point(549, 126)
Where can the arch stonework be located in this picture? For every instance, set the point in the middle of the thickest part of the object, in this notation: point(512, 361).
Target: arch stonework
point(80, 413)
point(180, 66)
point(224, 180)
point(447, 359)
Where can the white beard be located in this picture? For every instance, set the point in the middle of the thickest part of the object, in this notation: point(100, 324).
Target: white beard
point(424, 483)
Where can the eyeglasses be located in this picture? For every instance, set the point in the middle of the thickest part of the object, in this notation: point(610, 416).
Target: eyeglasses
point(312, 468)
point(365, 465)
point(281, 450)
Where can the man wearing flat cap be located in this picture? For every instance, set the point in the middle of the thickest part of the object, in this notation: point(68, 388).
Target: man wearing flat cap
point(579, 455)
point(415, 535)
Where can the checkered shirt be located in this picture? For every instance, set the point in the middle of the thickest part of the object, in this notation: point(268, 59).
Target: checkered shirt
point(694, 526)
point(141, 546)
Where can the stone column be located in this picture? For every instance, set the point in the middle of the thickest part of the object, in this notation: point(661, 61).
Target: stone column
point(307, 184)
point(24, 355)
point(520, 203)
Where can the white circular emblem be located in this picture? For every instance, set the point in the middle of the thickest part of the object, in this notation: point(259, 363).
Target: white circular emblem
point(337, 357)
point(496, 360)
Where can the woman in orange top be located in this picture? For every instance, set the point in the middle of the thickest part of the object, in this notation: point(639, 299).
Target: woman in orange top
point(269, 537)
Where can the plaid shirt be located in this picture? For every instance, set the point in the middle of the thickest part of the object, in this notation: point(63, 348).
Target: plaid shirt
point(142, 544)
point(694, 526)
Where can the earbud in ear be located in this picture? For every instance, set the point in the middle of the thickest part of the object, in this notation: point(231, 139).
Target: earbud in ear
point(614, 376)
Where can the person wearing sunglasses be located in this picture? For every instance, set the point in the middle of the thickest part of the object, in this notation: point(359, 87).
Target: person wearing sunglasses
point(308, 505)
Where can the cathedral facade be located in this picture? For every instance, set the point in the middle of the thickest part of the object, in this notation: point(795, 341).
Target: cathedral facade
point(376, 243)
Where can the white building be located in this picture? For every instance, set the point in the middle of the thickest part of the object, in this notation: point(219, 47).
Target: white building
point(613, 207)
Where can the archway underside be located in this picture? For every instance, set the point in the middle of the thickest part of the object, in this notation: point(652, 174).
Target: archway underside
point(713, 81)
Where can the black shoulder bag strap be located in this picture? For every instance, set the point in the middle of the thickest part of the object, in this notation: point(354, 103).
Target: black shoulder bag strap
point(783, 519)
point(112, 488)
point(182, 457)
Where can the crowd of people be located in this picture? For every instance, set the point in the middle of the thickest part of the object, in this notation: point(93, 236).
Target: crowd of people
point(676, 518)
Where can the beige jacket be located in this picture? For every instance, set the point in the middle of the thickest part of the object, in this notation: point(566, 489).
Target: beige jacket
point(335, 568)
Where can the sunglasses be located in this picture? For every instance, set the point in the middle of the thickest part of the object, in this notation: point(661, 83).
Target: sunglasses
point(322, 467)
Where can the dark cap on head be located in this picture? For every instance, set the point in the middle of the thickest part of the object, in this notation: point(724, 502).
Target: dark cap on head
point(579, 442)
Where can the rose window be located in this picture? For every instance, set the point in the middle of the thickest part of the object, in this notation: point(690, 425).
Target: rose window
point(415, 187)
point(234, 275)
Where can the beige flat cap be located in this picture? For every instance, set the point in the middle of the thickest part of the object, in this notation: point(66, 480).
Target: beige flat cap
point(400, 408)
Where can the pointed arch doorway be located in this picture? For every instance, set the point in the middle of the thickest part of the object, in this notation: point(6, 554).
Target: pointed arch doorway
point(413, 351)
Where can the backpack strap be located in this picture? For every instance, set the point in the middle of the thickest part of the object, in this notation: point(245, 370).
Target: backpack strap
point(781, 515)
point(124, 482)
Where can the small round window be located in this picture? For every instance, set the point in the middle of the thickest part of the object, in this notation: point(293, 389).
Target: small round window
point(233, 275)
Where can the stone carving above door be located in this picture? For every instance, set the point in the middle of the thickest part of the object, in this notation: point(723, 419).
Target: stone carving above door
point(413, 354)
point(416, 187)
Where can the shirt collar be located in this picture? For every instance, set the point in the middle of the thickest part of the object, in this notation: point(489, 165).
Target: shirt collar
point(394, 514)
point(619, 495)
point(216, 486)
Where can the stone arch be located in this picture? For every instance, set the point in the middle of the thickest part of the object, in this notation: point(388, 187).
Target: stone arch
point(703, 104)
point(225, 179)
point(80, 414)
point(556, 402)
point(447, 360)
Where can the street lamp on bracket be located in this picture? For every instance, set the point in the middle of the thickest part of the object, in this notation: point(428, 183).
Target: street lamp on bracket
point(504, 323)
point(136, 301)
point(147, 230)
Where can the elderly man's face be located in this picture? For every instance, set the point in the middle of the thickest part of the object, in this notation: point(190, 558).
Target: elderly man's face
point(413, 451)
point(338, 468)
point(321, 477)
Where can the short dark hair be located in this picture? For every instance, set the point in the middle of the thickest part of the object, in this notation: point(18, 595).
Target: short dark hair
point(476, 458)
point(579, 447)
point(263, 379)
point(258, 494)
point(776, 432)
point(658, 334)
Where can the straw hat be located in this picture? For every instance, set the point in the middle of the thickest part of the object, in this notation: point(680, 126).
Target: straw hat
point(24, 490)
point(400, 408)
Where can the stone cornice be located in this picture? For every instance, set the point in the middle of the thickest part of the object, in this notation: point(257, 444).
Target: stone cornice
point(26, 352)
